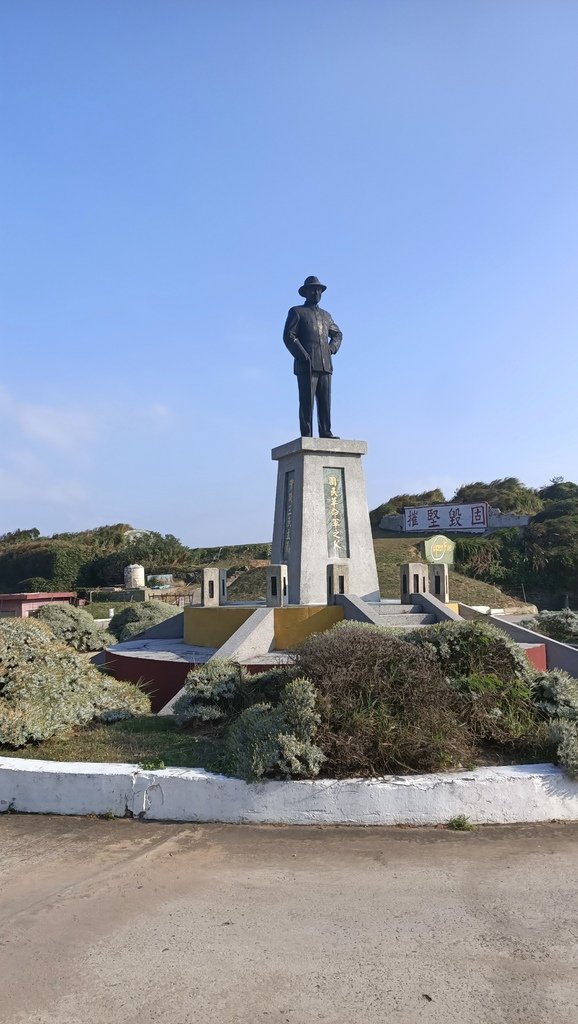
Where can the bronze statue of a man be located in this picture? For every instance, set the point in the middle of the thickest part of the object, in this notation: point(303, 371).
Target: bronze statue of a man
point(312, 338)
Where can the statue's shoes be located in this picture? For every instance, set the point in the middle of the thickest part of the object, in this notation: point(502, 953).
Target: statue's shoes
point(334, 436)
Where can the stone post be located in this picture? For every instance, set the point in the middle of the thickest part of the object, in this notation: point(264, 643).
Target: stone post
point(337, 580)
point(277, 587)
point(439, 581)
point(213, 587)
point(413, 580)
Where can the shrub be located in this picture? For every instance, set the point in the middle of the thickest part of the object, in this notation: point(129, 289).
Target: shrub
point(385, 706)
point(209, 691)
point(465, 649)
point(424, 701)
point(267, 740)
point(220, 689)
point(46, 687)
point(565, 735)
point(73, 626)
point(493, 680)
point(500, 712)
point(556, 693)
point(140, 616)
point(57, 562)
point(38, 585)
point(562, 625)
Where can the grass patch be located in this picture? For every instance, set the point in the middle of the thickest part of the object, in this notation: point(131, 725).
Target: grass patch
point(100, 609)
point(140, 740)
point(250, 585)
point(391, 552)
point(461, 824)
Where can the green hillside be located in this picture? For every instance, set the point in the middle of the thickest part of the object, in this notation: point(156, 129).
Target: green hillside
point(540, 561)
point(391, 552)
point(97, 557)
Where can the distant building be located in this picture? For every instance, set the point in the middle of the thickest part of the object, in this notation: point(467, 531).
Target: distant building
point(20, 606)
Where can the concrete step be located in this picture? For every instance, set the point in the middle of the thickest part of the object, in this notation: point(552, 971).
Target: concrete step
point(407, 621)
point(395, 609)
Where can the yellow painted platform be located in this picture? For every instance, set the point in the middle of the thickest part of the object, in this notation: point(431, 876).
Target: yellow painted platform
point(212, 627)
point(294, 624)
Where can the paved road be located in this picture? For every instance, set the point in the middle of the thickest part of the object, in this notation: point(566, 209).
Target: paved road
point(121, 922)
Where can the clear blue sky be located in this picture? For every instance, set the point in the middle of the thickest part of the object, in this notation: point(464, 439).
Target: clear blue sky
point(171, 171)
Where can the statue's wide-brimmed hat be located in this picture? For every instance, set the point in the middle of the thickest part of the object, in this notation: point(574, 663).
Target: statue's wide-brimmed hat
point(311, 282)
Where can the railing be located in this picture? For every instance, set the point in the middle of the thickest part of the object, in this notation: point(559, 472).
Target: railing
point(179, 600)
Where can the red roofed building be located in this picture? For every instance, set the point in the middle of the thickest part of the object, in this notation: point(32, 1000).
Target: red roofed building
point(20, 606)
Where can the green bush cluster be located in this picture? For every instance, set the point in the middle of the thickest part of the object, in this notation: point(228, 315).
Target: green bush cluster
point(556, 693)
point(377, 702)
point(385, 705)
point(46, 687)
point(278, 739)
point(562, 625)
point(209, 691)
point(422, 701)
point(494, 680)
point(220, 689)
point(97, 557)
point(73, 626)
point(38, 585)
point(271, 717)
point(139, 616)
point(473, 648)
point(41, 565)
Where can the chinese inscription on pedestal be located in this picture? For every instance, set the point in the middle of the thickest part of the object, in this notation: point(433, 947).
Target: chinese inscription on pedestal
point(288, 513)
point(335, 513)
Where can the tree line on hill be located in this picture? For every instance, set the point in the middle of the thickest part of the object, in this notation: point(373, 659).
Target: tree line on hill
point(97, 558)
point(543, 557)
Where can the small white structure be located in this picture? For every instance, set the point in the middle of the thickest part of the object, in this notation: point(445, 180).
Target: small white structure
point(134, 577)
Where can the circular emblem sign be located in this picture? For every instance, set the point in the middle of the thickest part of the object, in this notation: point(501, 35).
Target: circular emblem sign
point(439, 549)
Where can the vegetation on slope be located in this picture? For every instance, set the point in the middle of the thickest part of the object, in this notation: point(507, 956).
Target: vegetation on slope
point(97, 558)
point(543, 557)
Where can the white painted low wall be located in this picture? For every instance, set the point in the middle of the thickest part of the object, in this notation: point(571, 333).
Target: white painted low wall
point(486, 796)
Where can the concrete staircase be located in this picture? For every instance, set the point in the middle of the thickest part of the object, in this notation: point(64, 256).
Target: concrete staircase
point(402, 616)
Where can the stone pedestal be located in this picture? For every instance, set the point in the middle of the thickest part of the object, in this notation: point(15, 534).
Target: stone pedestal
point(321, 518)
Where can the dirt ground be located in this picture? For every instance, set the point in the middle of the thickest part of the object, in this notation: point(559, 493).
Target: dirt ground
point(122, 922)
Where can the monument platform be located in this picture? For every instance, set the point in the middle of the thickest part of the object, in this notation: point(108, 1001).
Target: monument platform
point(322, 520)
